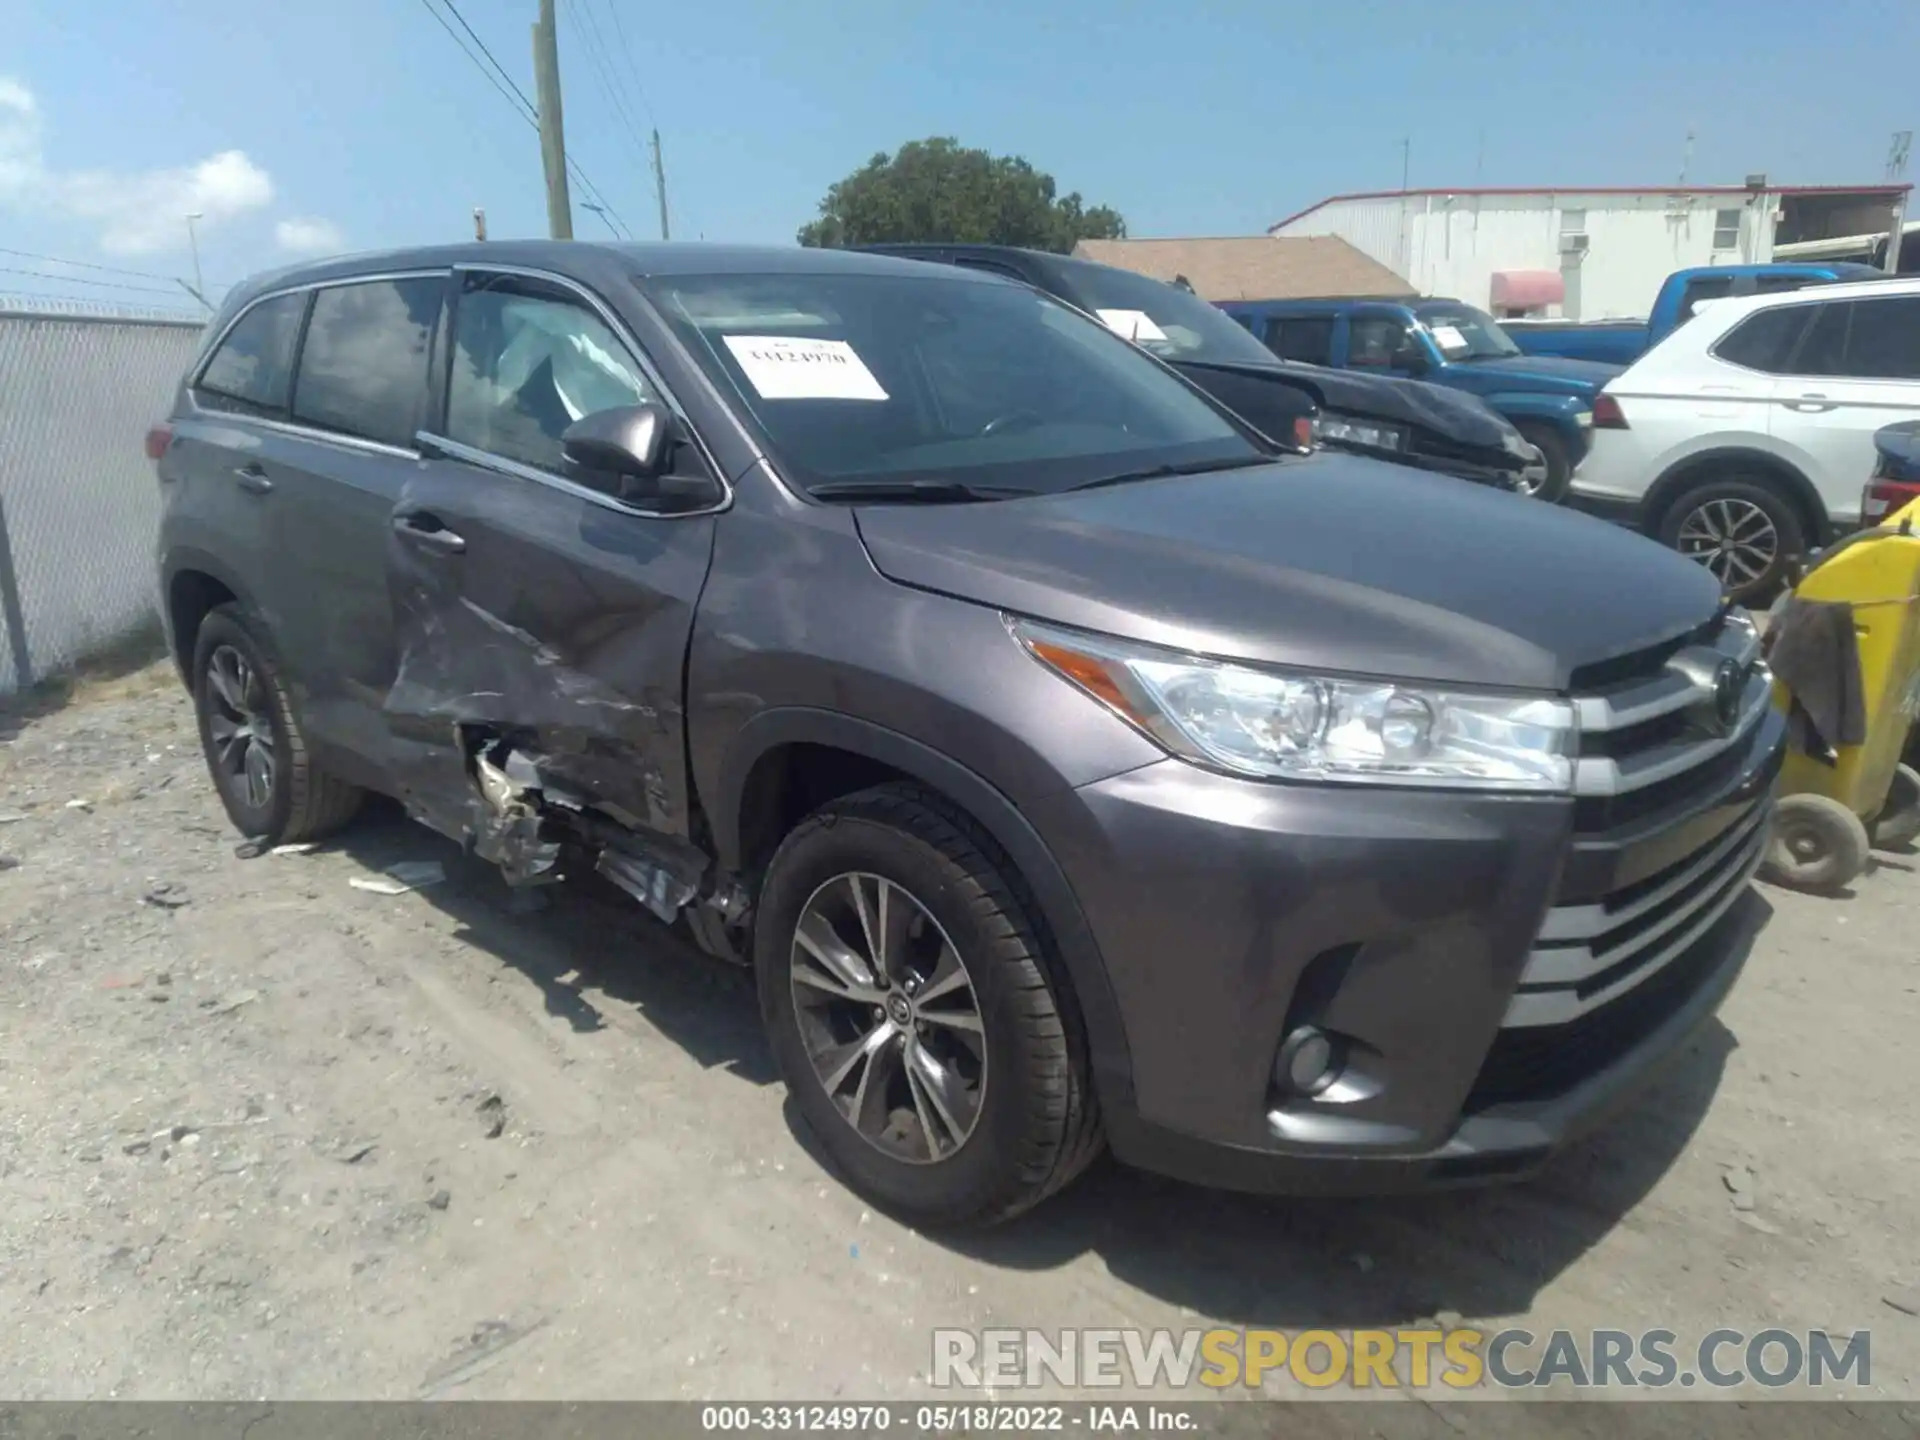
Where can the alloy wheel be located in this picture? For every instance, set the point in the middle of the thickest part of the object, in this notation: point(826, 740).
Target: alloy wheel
point(889, 1017)
point(1735, 539)
point(240, 726)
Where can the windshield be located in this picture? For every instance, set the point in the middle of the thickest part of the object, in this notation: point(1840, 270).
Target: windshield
point(939, 378)
point(1464, 333)
point(1174, 324)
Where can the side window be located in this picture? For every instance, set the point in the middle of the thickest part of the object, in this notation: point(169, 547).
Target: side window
point(1307, 338)
point(363, 369)
point(1885, 339)
point(527, 363)
point(249, 371)
point(1764, 340)
point(1726, 229)
point(1824, 350)
point(1705, 287)
point(1376, 340)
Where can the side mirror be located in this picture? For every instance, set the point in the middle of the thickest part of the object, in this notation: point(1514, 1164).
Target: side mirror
point(621, 451)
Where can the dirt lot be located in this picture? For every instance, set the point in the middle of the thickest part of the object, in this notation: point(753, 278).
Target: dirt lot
point(266, 1134)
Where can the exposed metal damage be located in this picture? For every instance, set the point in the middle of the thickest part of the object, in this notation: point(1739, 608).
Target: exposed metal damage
point(541, 769)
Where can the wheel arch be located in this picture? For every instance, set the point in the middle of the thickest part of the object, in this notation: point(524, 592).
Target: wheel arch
point(758, 765)
point(1782, 474)
point(195, 584)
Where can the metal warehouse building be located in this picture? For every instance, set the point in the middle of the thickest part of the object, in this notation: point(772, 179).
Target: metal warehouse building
point(1591, 254)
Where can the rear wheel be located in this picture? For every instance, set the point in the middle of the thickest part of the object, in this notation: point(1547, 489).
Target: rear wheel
point(1899, 819)
point(1742, 529)
point(914, 1017)
point(1817, 844)
point(1553, 450)
point(269, 783)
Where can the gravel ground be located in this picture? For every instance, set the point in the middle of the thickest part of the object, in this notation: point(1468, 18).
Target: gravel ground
point(263, 1133)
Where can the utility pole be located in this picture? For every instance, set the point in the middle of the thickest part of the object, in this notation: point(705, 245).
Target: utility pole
point(660, 184)
point(553, 142)
point(479, 223)
point(193, 244)
point(1897, 154)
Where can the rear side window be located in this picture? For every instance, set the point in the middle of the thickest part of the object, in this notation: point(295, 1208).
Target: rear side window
point(363, 369)
point(1864, 340)
point(1885, 339)
point(249, 370)
point(1308, 339)
point(1765, 339)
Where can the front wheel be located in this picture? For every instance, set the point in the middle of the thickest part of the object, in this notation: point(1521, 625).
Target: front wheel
point(915, 1019)
point(1553, 450)
point(1745, 532)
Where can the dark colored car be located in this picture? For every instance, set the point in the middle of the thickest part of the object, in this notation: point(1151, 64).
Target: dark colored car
point(1067, 766)
point(1407, 421)
point(1452, 345)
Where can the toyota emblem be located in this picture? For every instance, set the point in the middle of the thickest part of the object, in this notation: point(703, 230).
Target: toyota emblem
point(1729, 681)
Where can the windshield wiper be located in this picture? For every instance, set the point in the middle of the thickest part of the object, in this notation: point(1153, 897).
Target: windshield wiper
point(1159, 472)
point(938, 492)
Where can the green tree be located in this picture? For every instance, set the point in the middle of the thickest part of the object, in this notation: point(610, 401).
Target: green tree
point(938, 190)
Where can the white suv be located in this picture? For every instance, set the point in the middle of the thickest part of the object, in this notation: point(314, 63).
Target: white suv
point(1745, 437)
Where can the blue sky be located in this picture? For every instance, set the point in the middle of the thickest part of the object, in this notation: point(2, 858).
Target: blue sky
point(294, 126)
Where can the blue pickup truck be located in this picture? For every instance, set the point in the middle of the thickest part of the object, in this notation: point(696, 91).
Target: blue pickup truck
point(1548, 399)
point(1621, 342)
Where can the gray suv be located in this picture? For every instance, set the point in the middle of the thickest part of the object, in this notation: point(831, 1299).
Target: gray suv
point(1068, 766)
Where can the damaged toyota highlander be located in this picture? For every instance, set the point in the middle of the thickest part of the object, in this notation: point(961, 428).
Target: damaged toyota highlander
point(1070, 768)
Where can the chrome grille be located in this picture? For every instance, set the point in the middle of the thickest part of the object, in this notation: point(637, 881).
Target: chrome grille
point(1682, 688)
point(1653, 746)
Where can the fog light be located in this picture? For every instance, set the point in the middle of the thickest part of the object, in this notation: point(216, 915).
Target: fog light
point(1309, 1061)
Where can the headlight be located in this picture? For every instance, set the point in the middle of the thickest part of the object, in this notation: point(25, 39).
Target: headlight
point(1289, 726)
point(1359, 432)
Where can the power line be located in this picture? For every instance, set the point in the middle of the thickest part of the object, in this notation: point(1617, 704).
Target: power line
point(627, 50)
point(596, 49)
point(511, 93)
point(83, 280)
point(83, 265)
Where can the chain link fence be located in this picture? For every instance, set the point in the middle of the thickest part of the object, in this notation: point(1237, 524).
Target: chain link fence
point(79, 385)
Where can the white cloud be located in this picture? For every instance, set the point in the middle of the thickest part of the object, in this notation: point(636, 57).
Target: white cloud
point(137, 212)
point(308, 236)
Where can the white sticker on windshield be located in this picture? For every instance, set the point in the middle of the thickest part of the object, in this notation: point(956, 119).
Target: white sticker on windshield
point(1449, 338)
point(1133, 324)
point(787, 367)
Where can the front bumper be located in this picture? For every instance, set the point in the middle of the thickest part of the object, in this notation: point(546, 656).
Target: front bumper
point(1229, 912)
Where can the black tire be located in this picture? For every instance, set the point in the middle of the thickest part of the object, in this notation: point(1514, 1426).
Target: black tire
point(1553, 450)
point(1817, 844)
point(1898, 823)
point(1718, 502)
point(1037, 1125)
point(302, 801)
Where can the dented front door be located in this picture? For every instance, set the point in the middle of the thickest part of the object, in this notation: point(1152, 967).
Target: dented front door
point(542, 628)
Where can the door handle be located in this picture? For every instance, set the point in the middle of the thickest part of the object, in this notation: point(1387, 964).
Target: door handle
point(417, 527)
point(253, 479)
point(1811, 404)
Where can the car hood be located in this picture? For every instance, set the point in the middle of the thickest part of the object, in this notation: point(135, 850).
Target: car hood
point(1331, 563)
point(1555, 371)
point(1453, 415)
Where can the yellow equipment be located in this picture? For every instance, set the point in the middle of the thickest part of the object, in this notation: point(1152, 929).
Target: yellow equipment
point(1830, 815)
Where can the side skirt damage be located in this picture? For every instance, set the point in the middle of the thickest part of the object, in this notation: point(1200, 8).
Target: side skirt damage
point(538, 832)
